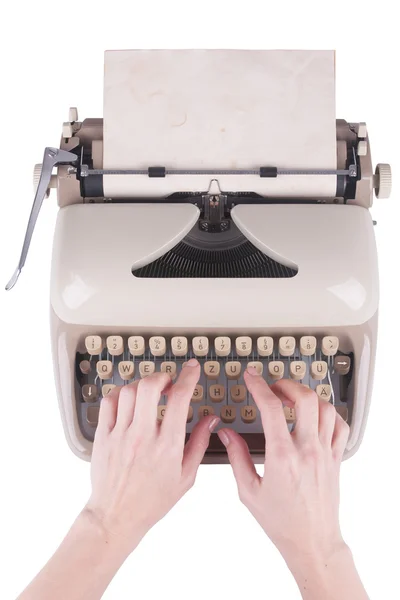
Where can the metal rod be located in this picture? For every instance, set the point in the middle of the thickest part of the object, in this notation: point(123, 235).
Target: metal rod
point(85, 172)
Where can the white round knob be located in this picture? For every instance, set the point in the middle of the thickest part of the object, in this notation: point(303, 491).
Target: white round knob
point(383, 180)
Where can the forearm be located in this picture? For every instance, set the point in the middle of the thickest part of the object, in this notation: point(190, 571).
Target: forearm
point(82, 567)
point(333, 578)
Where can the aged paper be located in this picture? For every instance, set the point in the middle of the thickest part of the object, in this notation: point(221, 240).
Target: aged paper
point(220, 109)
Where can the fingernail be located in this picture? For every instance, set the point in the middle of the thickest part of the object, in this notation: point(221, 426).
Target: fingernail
point(213, 423)
point(192, 363)
point(252, 371)
point(223, 436)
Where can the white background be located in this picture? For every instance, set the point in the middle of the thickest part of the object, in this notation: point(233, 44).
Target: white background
point(52, 58)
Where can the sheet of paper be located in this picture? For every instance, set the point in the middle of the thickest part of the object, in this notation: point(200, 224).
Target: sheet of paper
point(219, 109)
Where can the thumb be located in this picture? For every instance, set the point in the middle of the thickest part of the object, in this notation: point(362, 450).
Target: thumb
point(196, 447)
point(239, 456)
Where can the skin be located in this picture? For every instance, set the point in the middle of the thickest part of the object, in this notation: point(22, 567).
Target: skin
point(296, 502)
point(141, 468)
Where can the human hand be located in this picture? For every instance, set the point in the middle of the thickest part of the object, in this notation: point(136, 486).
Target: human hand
point(297, 500)
point(141, 467)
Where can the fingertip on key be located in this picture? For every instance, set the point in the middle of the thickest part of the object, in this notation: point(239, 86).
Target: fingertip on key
point(192, 363)
point(252, 371)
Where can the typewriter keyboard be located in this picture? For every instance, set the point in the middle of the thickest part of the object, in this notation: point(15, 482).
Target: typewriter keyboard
point(116, 360)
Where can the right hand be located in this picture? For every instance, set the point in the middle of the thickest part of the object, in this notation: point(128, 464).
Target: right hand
point(297, 500)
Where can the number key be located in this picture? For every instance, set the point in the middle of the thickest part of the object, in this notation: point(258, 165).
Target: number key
point(158, 345)
point(94, 344)
point(222, 346)
point(136, 345)
point(200, 345)
point(287, 345)
point(243, 345)
point(265, 346)
point(179, 346)
point(115, 345)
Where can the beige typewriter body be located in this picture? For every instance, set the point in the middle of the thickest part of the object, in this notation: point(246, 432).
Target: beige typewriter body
point(325, 292)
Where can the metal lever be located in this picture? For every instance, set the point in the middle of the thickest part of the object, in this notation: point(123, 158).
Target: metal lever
point(51, 158)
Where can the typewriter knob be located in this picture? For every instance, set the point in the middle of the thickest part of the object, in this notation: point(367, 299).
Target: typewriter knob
point(37, 171)
point(383, 180)
point(73, 114)
point(362, 148)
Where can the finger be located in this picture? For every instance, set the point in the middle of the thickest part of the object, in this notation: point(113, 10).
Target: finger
point(326, 415)
point(126, 405)
point(327, 420)
point(284, 399)
point(271, 411)
point(242, 465)
point(305, 402)
point(179, 396)
point(340, 437)
point(149, 391)
point(108, 412)
point(196, 447)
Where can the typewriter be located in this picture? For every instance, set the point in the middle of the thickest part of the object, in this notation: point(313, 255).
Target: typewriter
point(180, 263)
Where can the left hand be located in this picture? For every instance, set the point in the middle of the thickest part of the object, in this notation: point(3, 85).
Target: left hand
point(141, 467)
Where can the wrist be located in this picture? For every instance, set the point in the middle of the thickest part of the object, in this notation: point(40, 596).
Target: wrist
point(91, 525)
point(327, 574)
point(317, 557)
point(314, 553)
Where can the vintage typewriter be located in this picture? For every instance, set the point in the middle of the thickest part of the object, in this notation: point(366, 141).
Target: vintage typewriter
point(190, 263)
